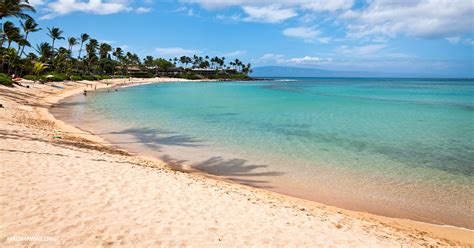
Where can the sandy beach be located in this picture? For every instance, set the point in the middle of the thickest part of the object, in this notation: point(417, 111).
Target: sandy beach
point(61, 186)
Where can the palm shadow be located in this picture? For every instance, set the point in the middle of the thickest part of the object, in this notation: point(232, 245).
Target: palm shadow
point(237, 170)
point(155, 138)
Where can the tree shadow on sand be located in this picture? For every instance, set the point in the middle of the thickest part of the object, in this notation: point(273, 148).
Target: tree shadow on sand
point(155, 138)
point(237, 170)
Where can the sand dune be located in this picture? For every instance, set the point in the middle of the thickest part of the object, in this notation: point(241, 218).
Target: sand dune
point(76, 192)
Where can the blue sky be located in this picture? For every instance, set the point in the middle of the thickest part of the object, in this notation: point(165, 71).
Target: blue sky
point(417, 37)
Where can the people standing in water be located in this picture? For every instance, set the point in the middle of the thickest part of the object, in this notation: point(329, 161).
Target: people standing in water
point(85, 92)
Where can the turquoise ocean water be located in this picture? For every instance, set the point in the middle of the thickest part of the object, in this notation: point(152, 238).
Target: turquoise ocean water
point(397, 147)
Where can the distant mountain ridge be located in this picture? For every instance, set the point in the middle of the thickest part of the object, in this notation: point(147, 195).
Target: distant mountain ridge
point(287, 71)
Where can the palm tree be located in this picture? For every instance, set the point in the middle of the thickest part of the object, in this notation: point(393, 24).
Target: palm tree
point(148, 61)
point(44, 50)
point(16, 8)
point(60, 60)
point(237, 63)
point(7, 29)
point(55, 34)
point(221, 62)
point(91, 50)
point(22, 43)
point(246, 69)
point(118, 54)
point(10, 33)
point(105, 60)
point(84, 38)
point(104, 50)
point(72, 41)
point(28, 26)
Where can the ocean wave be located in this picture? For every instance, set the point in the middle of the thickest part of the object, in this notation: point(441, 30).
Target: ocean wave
point(285, 80)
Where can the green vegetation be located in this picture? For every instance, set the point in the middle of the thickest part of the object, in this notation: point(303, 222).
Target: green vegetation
point(76, 78)
point(5, 80)
point(47, 61)
point(190, 76)
point(29, 77)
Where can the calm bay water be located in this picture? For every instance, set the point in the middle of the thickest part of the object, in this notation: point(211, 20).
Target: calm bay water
point(397, 147)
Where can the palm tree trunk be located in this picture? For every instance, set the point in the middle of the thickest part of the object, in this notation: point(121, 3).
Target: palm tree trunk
point(80, 50)
point(3, 40)
point(23, 48)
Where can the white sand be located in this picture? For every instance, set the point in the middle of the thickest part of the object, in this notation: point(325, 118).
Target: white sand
point(80, 193)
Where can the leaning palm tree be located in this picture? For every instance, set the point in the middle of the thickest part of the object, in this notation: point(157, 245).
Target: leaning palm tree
point(8, 29)
point(72, 41)
point(10, 33)
point(84, 38)
point(28, 26)
point(55, 34)
point(22, 43)
point(16, 8)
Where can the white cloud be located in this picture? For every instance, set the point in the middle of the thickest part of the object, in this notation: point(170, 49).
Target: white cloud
point(56, 8)
point(267, 14)
point(234, 53)
point(308, 34)
point(361, 50)
point(187, 11)
point(36, 3)
point(453, 40)
point(270, 57)
point(417, 18)
point(280, 59)
point(307, 60)
point(107, 41)
point(175, 51)
point(333, 5)
point(232, 18)
point(273, 11)
point(469, 41)
point(141, 10)
point(316, 5)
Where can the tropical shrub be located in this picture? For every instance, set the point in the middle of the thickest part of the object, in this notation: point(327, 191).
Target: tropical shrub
point(103, 77)
point(5, 80)
point(88, 77)
point(190, 76)
point(30, 77)
point(76, 78)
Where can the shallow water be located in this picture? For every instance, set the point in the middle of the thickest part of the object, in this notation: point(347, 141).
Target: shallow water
point(397, 147)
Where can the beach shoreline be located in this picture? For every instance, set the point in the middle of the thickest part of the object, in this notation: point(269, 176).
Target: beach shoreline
point(421, 232)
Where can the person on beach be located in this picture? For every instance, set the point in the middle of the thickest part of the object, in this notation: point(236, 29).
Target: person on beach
point(95, 87)
point(85, 92)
